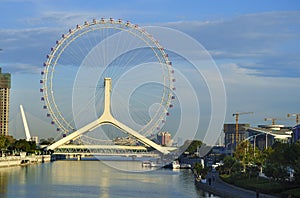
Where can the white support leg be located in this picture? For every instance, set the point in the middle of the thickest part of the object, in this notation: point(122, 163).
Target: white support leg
point(107, 118)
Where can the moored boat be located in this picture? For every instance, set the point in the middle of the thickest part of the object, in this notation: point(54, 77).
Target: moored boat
point(146, 164)
point(185, 166)
point(175, 164)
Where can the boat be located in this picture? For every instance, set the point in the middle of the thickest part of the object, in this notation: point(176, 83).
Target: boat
point(185, 166)
point(157, 164)
point(146, 164)
point(175, 164)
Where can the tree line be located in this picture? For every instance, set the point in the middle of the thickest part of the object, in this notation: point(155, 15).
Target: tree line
point(280, 162)
point(9, 145)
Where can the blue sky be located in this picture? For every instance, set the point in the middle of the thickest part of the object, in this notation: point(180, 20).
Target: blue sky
point(255, 44)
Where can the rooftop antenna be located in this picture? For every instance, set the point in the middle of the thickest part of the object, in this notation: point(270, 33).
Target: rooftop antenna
point(27, 133)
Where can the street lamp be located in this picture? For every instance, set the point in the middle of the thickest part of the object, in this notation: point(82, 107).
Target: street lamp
point(254, 145)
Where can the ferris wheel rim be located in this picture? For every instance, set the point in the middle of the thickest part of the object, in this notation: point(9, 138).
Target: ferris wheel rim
point(49, 67)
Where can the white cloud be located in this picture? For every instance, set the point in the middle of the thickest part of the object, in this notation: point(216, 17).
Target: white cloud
point(256, 41)
point(265, 41)
point(232, 73)
point(246, 48)
point(265, 96)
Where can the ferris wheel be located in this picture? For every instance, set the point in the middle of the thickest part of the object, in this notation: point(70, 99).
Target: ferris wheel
point(142, 87)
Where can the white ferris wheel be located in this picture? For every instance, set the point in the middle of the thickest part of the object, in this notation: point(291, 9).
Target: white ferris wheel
point(142, 85)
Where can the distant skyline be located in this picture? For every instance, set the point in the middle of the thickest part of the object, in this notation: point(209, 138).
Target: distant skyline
point(255, 45)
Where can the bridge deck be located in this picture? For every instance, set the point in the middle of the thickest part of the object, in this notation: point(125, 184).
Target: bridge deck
point(104, 150)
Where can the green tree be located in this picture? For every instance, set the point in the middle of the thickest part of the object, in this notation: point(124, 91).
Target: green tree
point(228, 165)
point(4, 142)
point(293, 155)
point(237, 167)
point(244, 153)
point(201, 170)
point(191, 146)
point(277, 162)
point(296, 167)
point(23, 145)
point(279, 154)
point(250, 158)
point(276, 171)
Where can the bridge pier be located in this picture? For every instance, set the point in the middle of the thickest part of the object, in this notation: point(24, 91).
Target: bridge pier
point(79, 157)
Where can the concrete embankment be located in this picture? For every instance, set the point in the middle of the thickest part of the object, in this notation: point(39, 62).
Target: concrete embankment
point(24, 160)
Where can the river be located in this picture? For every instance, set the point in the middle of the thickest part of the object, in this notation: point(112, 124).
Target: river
point(85, 178)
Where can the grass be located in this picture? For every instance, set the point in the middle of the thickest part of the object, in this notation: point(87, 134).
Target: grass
point(293, 192)
point(263, 185)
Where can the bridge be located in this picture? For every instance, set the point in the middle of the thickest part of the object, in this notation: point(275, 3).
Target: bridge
point(104, 150)
point(59, 147)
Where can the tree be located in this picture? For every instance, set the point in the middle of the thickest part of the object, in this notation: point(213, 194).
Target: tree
point(276, 171)
point(4, 142)
point(23, 145)
point(277, 162)
point(244, 153)
point(296, 167)
point(191, 146)
point(202, 171)
point(294, 157)
point(279, 154)
point(228, 165)
point(47, 141)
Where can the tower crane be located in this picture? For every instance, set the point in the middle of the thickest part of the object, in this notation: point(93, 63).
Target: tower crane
point(237, 114)
point(296, 115)
point(274, 119)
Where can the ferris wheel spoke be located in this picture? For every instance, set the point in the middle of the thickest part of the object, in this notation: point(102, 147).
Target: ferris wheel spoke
point(76, 66)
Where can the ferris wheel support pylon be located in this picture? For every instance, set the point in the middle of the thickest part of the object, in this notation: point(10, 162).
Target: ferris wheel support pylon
point(107, 118)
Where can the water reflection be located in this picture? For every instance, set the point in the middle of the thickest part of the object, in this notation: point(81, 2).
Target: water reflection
point(3, 181)
point(95, 179)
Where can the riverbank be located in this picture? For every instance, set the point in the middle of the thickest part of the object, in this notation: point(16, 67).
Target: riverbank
point(263, 184)
point(8, 161)
point(223, 189)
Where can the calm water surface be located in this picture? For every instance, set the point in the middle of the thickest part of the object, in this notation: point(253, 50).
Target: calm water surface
point(96, 179)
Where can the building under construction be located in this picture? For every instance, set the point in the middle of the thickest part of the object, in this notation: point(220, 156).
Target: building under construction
point(5, 84)
point(231, 137)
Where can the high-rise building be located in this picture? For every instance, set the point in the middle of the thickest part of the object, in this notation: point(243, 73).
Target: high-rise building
point(164, 138)
point(5, 84)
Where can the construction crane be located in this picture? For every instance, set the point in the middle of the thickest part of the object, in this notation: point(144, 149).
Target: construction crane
point(274, 119)
point(237, 114)
point(296, 115)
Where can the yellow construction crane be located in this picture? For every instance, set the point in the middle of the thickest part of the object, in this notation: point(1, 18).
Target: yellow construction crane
point(237, 114)
point(274, 119)
point(296, 115)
